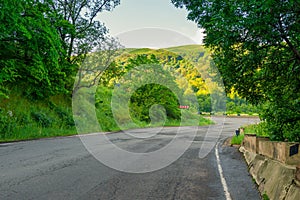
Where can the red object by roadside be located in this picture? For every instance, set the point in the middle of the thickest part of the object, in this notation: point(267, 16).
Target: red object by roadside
point(184, 107)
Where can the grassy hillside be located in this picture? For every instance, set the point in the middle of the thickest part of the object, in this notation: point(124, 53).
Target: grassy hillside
point(22, 118)
point(188, 48)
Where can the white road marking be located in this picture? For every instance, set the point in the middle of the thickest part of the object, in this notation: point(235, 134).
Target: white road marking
point(223, 181)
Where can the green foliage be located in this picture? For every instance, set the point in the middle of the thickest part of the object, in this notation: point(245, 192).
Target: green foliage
point(238, 106)
point(260, 129)
point(42, 119)
point(204, 103)
point(39, 41)
point(107, 119)
point(151, 94)
point(8, 122)
point(255, 46)
point(30, 49)
point(21, 119)
point(283, 120)
point(103, 109)
point(42, 44)
point(265, 197)
point(250, 129)
point(78, 27)
point(237, 140)
point(188, 77)
point(204, 121)
point(148, 103)
point(96, 63)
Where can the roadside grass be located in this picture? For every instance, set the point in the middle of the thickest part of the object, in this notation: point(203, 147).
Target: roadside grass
point(197, 121)
point(237, 140)
point(107, 122)
point(258, 129)
point(35, 132)
point(265, 197)
point(24, 119)
point(250, 129)
point(255, 129)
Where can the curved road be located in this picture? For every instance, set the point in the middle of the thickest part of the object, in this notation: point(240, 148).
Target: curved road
point(61, 168)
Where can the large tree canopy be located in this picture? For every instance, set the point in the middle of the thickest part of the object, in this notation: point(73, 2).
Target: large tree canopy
point(256, 48)
point(80, 31)
point(43, 42)
point(30, 48)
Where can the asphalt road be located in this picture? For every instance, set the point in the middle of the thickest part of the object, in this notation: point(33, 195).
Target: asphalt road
point(62, 168)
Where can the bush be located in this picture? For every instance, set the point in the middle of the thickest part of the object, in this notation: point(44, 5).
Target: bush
point(42, 119)
point(65, 116)
point(153, 94)
point(237, 140)
point(282, 120)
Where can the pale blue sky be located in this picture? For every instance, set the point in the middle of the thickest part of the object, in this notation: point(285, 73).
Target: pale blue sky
point(139, 22)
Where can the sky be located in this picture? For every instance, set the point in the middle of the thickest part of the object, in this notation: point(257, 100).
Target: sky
point(150, 23)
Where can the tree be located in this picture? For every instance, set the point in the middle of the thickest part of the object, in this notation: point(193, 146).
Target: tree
point(79, 29)
point(43, 42)
point(96, 64)
point(256, 48)
point(30, 49)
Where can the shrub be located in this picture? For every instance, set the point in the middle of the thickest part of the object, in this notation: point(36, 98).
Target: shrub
point(42, 119)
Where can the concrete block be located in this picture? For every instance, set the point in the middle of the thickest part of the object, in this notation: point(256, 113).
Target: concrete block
point(259, 140)
point(249, 156)
point(276, 179)
point(293, 193)
point(249, 142)
point(279, 151)
point(297, 176)
point(256, 168)
point(294, 159)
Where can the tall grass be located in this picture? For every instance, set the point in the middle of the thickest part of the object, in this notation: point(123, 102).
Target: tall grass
point(258, 129)
point(23, 119)
point(237, 140)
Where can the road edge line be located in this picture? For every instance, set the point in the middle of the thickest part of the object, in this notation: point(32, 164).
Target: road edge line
point(223, 181)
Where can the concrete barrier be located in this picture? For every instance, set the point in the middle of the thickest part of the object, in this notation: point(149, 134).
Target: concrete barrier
point(249, 142)
point(297, 176)
point(284, 152)
point(273, 178)
point(275, 166)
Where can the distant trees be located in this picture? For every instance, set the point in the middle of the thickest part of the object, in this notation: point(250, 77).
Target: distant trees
point(144, 83)
point(255, 45)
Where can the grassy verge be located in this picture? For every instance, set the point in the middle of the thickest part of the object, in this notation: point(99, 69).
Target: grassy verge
point(237, 140)
point(249, 129)
point(257, 129)
point(107, 122)
point(35, 132)
point(23, 119)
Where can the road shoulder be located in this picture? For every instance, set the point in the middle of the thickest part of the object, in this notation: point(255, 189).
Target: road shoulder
point(239, 181)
